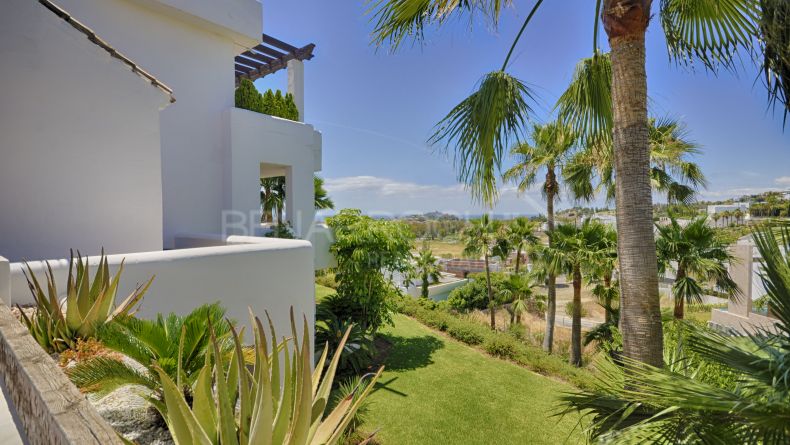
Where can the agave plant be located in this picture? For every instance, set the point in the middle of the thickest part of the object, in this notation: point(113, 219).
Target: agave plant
point(176, 345)
point(637, 403)
point(280, 401)
point(89, 304)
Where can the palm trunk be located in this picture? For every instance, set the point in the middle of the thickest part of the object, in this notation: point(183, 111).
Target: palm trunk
point(551, 281)
point(626, 22)
point(679, 300)
point(490, 295)
point(607, 283)
point(518, 259)
point(576, 324)
point(424, 292)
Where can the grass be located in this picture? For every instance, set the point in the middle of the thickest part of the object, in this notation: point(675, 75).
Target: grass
point(446, 249)
point(437, 390)
point(322, 291)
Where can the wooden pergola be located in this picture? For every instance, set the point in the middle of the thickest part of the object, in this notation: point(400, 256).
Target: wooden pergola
point(270, 56)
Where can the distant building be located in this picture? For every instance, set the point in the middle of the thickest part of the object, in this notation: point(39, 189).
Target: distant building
point(722, 215)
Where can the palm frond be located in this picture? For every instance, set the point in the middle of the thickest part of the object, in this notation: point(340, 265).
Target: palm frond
point(586, 105)
point(482, 127)
point(775, 44)
point(710, 31)
point(399, 20)
point(103, 375)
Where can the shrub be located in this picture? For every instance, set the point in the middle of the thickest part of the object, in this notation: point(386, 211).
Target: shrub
point(327, 279)
point(502, 346)
point(329, 329)
point(517, 331)
point(89, 304)
point(676, 338)
point(282, 231)
point(569, 309)
point(248, 97)
point(474, 294)
point(247, 407)
point(159, 343)
point(471, 334)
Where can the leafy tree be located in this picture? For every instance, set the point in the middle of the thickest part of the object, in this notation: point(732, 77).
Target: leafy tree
point(573, 250)
point(481, 127)
point(676, 405)
point(550, 150)
point(367, 250)
point(474, 294)
point(480, 239)
point(322, 199)
point(698, 257)
point(426, 269)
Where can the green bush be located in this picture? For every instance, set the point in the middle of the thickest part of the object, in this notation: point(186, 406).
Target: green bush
point(471, 334)
point(327, 279)
point(676, 334)
point(248, 97)
point(474, 294)
point(502, 346)
point(272, 103)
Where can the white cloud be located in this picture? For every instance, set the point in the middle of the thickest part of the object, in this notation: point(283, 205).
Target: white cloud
point(783, 180)
point(381, 195)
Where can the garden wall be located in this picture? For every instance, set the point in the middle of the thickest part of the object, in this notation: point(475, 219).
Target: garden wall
point(269, 274)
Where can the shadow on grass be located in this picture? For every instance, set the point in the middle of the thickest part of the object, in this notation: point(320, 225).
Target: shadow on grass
point(409, 353)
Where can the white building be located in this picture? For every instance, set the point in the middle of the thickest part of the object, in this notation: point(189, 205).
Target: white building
point(716, 218)
point(118, 130)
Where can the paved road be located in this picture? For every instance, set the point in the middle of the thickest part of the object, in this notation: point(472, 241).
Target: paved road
point(565, 321)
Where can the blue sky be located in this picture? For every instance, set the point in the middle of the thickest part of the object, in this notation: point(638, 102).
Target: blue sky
point(376, 109)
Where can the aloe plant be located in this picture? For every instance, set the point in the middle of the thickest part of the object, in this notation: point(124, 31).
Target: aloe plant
point(89, 304)
point(280, 401)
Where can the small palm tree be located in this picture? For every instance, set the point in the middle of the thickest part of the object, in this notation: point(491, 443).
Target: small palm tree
point(572, 251)
point(698, 258)
point(672, 405)
point(426, 268)
point(520, 232)
point(480, 238)
point(322, 199)
point(550, 150)
point(176, 344)
point(520, 291)
point(273, 198)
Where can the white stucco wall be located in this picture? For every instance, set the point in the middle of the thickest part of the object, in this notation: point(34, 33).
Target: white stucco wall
point(263, 274)
point(197, 62)
point(79, 142)
point(254, 138)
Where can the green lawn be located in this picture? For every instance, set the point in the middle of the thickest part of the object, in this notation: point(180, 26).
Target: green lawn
point(322, 291)
point(438, 391)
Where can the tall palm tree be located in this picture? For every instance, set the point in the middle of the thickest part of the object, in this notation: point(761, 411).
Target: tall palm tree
point(573, 250)
point(480, 238)
point(521, 234)
point(322, 199)
point(482, 126)
point(426, 269)
point(673, 405)
point(550, 149)
point(698, 258)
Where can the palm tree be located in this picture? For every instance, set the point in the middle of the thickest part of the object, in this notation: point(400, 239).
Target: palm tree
point(273, 198)
point(698, 257)
point(480, 238)
point(738, 216)
point(427, 269)
point(482, 126)
point(572, 250)
point(162, 343)
point(521, 234)
point(671, 173)
point(519, 290)
point(322, 199)
point(673, 405)
point(550, 150)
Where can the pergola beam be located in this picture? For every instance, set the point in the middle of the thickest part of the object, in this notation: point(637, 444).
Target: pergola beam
point(270, 56)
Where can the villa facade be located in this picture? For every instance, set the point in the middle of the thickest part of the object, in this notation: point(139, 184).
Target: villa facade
point(118, 131)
